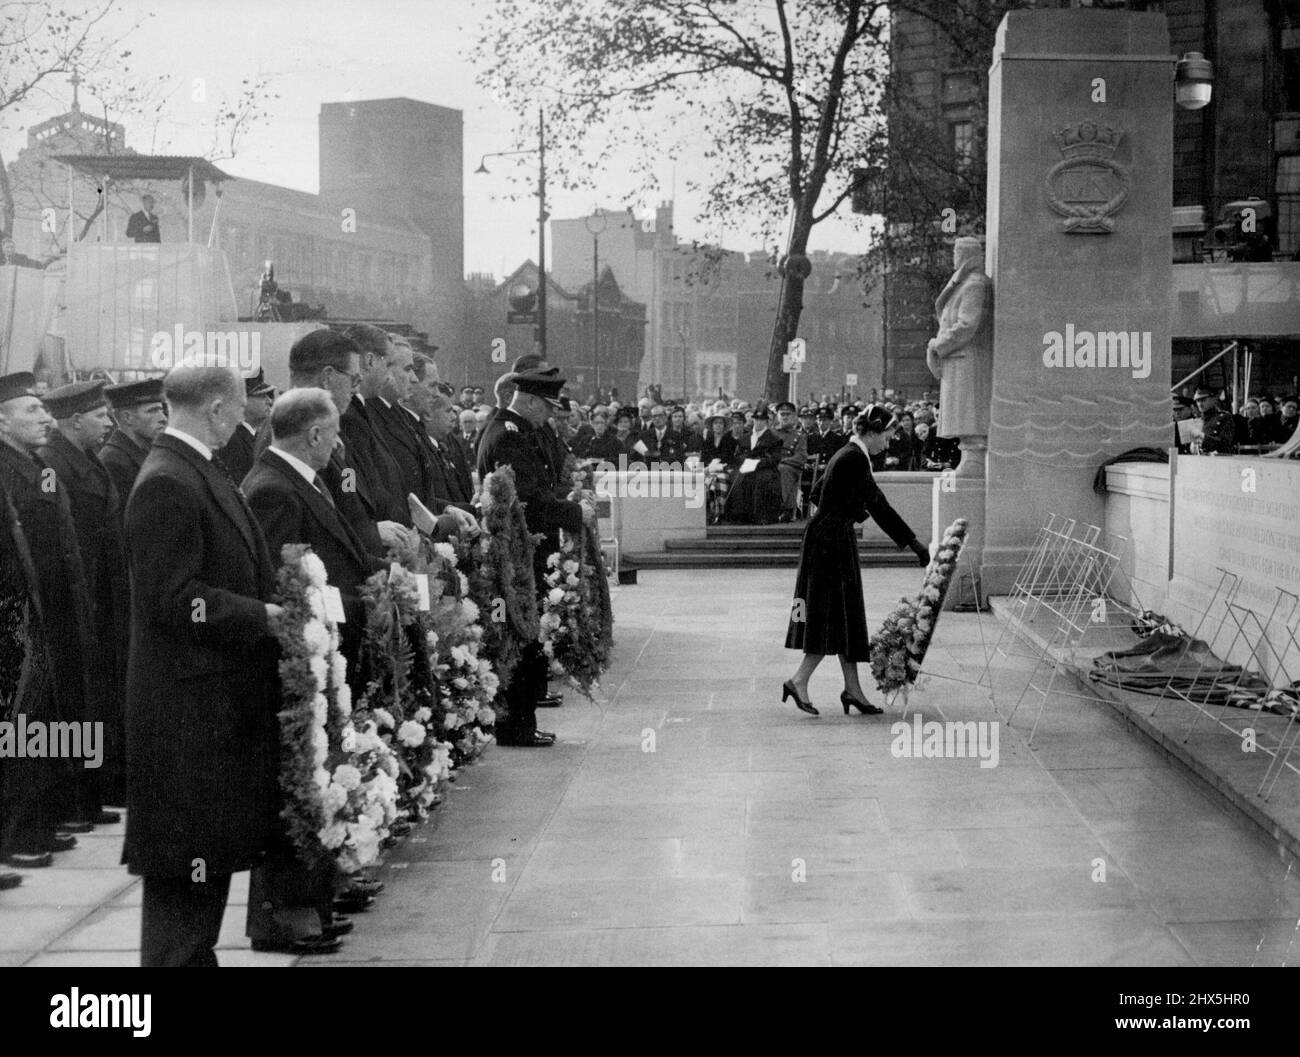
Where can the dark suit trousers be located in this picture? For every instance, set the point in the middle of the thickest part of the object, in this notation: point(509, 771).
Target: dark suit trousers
point(181, 920)
point(527, 687)
point(36, 800)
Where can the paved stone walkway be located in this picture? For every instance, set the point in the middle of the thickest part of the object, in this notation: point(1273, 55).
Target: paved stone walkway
point(688, 817)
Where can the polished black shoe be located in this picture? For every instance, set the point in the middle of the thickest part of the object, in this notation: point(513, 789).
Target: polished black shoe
point(536, 740)
point(62, 842)
point(399, 827)
point(307, 945)
point(364, 887)
point(785, 518)
point(107, 818)
point(788, 690)
point(28, 861)
point(865, 707)
point(10, 880)
point(550, 701)
point(338, 927)
point(353, 904)
point(77, 826)
point(544, 734)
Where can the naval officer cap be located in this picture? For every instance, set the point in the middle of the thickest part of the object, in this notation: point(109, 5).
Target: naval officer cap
point(75, 399)
point(785, 405)
point(257, 385)
point(133, 394)
point(538, 382)
point(20, 383)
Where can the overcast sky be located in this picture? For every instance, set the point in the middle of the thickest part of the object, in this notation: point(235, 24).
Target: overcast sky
point(326, 52)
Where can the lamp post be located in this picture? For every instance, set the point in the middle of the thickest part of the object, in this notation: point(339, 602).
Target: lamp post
point(595, 224)
point(540, 151)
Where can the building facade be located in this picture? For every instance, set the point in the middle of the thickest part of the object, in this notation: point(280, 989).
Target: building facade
point(710, 312)
point(384, 238)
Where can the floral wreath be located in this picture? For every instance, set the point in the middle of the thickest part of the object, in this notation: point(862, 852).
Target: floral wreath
point(899, 647)
point(577, 619)
point(340, 796)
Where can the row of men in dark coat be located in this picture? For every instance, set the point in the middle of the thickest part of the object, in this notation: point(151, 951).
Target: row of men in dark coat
point(358, 454)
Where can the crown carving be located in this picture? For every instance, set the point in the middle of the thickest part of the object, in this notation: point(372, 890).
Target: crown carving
point(1087, 139)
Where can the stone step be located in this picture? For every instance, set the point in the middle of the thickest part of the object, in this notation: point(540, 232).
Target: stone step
point(752, 544)
point(699, 558)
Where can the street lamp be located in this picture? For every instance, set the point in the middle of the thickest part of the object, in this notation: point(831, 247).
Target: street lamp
point(595, 223)
point(1193, 81)
point(540, 151)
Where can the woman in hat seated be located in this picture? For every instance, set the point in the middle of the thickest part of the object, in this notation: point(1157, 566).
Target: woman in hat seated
point(828, 615)
point(719, 450)
point(755, 496)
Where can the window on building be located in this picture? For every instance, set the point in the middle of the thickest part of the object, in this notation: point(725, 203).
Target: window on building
point(1288, 204)
point(961, 135)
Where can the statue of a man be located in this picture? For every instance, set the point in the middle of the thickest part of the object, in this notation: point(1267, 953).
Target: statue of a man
point(961, 355)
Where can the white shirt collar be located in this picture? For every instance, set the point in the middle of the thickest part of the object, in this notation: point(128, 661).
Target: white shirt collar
point(309, 475)
point(251, 431)
point(193, 442)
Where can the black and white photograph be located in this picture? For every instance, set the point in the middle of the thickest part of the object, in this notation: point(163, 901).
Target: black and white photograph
point(652, 483)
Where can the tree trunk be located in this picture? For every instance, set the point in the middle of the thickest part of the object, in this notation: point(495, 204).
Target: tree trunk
point(6, 201)
point(788, 310)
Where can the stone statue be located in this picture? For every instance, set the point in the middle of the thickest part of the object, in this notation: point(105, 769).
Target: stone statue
point(961, 355)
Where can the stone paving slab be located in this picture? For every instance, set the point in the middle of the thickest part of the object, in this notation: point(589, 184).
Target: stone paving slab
point(688, 817)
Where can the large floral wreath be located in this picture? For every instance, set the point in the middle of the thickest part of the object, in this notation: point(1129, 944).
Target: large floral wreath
point(577, 618)
point(499, 568)
point(340, 795)
point(401, 696)
point(899, 647)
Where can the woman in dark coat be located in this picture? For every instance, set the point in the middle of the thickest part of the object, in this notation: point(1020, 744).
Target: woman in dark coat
point(755, 497)
point(828, 615)
point(718, 443)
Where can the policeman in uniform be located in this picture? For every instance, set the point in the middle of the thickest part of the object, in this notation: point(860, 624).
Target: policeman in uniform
point(140, 415)
point(1219, 434)
point(514, 437)
point(794, 454)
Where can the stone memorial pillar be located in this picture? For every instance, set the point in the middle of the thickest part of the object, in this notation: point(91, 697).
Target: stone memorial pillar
point(1080, 256)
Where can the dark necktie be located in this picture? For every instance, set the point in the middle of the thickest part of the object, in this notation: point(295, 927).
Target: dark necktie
point(322, 489)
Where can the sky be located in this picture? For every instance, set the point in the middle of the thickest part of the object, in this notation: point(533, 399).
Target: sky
point(319, 52)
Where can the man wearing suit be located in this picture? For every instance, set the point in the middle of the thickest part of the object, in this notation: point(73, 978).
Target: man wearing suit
point(82, 416)
point(378, 476)
point(142, 226)
point(663, 444)
point(399, 430)
point(512, 439)
point(238, 453)
point(38, 791)
point(433, 415)
point(140, 415)
point(202, 686)
point(291, 907)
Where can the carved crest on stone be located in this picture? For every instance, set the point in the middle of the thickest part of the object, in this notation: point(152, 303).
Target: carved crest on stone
point(1088, 186)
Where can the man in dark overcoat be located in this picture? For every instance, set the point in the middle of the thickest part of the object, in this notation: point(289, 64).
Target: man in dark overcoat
point(140, 415)
point(202, 682)
point(513, 438)
point(39, 792)
point(81, 413)
point(293, 504)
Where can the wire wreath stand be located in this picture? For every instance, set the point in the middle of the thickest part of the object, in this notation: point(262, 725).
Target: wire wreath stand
point(964, 573)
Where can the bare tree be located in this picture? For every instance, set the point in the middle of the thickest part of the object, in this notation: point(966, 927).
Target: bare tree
point(39, 40)
point(783, 99)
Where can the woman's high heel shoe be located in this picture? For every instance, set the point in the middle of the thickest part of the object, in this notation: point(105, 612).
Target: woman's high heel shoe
point(865, 707)
point(804, 706)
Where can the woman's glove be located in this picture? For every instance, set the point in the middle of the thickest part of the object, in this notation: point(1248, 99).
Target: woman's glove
point(921, 551)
